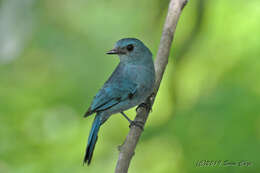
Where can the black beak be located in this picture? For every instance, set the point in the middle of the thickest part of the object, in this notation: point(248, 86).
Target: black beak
point(115, 51)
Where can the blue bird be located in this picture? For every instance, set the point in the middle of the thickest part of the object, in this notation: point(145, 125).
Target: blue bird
point(129, 85)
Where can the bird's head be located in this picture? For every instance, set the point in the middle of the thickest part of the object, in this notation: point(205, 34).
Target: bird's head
point(131, 50)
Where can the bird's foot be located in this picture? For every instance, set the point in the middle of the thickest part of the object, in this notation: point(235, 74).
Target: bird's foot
point(139, 124)
point(146, 105)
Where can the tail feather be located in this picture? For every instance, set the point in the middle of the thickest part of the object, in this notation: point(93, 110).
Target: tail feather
point(92, 139)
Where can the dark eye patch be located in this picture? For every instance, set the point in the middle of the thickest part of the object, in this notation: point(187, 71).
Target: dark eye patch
point(130, 47)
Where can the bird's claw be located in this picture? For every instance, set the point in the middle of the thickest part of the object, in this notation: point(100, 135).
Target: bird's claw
point(139, 124)
point(147, 106)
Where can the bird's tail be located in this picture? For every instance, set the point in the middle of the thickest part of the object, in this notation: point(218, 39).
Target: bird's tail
point(92, 139)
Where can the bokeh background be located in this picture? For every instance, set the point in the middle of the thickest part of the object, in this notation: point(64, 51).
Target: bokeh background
point(52, 62)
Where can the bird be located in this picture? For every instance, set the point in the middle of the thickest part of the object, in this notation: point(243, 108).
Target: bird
point(130, 84)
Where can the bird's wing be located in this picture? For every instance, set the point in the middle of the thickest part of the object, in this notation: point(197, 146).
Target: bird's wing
point(112, 94)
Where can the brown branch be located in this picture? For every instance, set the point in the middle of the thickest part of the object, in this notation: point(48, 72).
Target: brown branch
point(127, 149)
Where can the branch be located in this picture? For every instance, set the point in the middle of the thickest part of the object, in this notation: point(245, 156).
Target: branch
point(127, 149)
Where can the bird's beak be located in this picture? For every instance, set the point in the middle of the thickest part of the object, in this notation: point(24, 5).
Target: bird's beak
point(115, 51)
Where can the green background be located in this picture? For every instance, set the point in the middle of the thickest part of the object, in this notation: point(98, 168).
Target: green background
point(208, 106)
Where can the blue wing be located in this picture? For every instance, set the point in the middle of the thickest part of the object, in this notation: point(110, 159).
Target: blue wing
point(111, 94)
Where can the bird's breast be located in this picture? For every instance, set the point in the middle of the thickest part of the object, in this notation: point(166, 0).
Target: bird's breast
point(143, 76)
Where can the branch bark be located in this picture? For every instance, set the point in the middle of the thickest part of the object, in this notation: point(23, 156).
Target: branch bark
point(129, 145)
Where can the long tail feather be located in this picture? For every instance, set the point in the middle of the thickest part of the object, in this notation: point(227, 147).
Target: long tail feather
point(92, 139)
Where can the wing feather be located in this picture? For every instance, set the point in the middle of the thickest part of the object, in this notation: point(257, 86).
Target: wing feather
point(112, 94)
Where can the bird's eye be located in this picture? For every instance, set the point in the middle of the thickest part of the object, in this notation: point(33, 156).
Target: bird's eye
point(130, 47)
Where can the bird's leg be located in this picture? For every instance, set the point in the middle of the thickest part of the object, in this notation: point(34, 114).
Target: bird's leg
point(128, 119)
point(139, 124)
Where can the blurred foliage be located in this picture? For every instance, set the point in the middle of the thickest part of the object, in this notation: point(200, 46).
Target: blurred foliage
point(207, 107)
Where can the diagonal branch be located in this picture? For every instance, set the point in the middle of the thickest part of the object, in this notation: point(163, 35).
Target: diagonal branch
point(127, 149)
